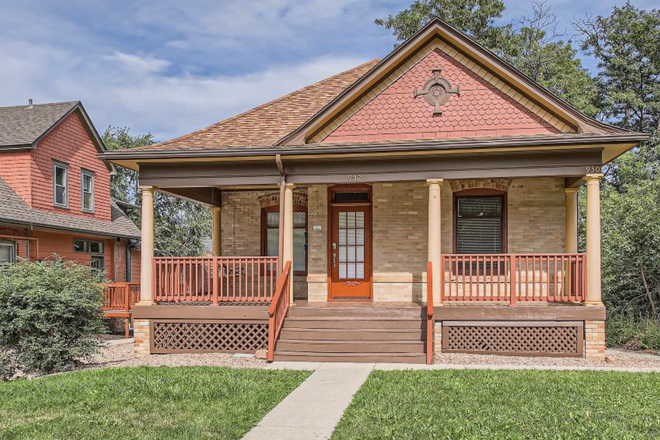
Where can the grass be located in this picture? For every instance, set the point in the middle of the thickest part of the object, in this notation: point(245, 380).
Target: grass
point(478, 404)
point(143, 403)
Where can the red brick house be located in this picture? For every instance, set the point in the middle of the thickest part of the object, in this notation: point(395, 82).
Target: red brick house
point(55, 192)
point(424, 202)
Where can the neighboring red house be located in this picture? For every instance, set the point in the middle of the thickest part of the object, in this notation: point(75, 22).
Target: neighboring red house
point(55, 192)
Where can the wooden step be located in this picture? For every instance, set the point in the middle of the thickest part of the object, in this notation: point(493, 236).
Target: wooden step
point(355, 312)
point(301, 356)
point(351, 323)
point(314, 334)
point(365, 347)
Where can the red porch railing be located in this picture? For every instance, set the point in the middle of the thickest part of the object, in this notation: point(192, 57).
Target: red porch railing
point(278, 310)
point(214, 279)
point(118, 301)
point(514, 277)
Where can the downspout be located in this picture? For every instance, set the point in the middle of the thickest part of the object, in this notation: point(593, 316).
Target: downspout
point(280, 255)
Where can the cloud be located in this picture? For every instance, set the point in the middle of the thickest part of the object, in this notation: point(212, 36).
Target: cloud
point(141, 65)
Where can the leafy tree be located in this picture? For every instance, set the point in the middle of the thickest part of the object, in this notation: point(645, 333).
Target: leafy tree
point(180, 226)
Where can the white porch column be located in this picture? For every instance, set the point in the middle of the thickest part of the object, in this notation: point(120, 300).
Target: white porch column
point(216, 235)
point(593, 239)
point(435, 234)
point(571, 220)
point(147, 246)
point(287, 250)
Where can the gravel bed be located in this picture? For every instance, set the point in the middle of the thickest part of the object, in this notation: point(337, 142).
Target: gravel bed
point(119, 353)
point(613, 359)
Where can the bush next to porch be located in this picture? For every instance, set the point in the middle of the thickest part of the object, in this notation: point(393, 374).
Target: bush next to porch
point(50, 316)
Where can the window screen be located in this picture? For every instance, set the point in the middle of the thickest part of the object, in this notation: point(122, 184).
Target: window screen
point(479, 225)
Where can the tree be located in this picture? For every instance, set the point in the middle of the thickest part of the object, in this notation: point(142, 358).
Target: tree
point(180, 226)
point(533, 44)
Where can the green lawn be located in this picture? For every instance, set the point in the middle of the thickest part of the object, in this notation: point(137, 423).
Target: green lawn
point(477, 404)
point(143, 403)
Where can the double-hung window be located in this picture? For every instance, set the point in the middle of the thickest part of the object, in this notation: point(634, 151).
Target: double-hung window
point(60, 184)
point(87, 191)
point(7, 252)
point(270, 223)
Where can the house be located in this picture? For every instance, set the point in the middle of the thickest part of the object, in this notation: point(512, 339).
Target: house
point(425, 202)
point(55, 193)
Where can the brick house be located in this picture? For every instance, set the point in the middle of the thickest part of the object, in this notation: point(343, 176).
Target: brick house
point(425, 202)
point(55, 192)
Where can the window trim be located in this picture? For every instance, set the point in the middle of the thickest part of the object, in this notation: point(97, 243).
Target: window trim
point(475, 193)
point(65, 167)
point(14, 246)
point(86, 173)
point(264, 228)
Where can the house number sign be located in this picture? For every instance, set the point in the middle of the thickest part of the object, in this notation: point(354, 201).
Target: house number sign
point(354, 177)
point(593, 169)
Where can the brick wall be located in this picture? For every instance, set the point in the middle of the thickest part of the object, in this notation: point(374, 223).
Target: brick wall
point(70, 143)
point(594, 340)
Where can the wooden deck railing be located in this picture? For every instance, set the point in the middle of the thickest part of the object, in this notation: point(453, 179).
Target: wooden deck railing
point(514, 277)
point(278, 310)
point(430, 331)
point(118, 301)
point(214, 279)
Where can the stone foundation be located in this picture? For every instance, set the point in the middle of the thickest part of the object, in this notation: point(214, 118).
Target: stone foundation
point(594, 340)
point(141, 336)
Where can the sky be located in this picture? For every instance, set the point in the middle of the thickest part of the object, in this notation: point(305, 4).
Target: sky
point(169, 67)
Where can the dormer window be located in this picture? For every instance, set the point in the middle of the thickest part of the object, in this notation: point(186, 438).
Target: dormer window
point(60, 184)
point(87, 191)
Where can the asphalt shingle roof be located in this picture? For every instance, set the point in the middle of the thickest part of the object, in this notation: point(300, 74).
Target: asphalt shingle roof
point(22, 125)
point(14, 209)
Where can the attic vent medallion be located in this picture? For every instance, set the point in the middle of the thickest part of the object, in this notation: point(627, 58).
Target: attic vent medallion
point(437, 91)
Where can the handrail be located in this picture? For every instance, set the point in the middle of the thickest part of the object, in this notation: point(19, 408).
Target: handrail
point(118, 301)
point(429, 313)
point(512, 278)
point(278, 310)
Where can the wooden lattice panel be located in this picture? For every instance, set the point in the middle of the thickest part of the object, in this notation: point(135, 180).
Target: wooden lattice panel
point(520, 339)
point(200, 336)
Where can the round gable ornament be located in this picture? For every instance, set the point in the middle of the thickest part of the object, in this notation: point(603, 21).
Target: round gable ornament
point(437, 91)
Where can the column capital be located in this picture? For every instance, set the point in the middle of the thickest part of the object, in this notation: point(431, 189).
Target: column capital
point(215, 208)
point(434, 181)
point(593, 177)
point(150, 189)
point(571, 191)
point(290, 186)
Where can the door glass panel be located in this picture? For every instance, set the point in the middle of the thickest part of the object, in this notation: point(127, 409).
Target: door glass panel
point(360, 219)
point(359, 236)
point(342, 271)
point(351, 253)
point(351, 271)
point(342, 236)
point(342, 220)
point(351, 219)
point(359, 273)
point(342, 254)
point(359, 256)
point(351, 237)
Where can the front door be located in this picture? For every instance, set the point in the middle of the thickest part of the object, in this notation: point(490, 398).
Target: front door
point(350, 251)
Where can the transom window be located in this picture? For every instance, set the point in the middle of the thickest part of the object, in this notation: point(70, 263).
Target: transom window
point(87, 191)
point(270, 227)
point(60, 184)
point(88, 246)
point(7, 252)
point(479, 224)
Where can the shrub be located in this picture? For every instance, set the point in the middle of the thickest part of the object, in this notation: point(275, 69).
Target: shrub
point(633, 333)
point(50, 315)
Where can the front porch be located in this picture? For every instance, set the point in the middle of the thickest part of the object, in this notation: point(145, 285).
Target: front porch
point(388, 248)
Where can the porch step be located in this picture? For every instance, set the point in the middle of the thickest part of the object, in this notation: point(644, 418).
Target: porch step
point(352, 334)
point(296, 356)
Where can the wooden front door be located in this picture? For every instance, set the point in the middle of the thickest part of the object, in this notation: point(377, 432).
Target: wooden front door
point(350, 251)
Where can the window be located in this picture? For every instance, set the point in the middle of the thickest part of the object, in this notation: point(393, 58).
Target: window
point(87, 191)
point(479, 224)
point(60, 185)
point(88, 246)
point(98, 265)
point(7, 252)
point(270, 223)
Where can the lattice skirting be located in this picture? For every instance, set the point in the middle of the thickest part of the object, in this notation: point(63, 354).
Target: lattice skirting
point(171, 336)
point(514, 338)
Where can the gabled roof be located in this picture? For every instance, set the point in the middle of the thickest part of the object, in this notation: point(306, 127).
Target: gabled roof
point(23, 126)
point(15, 210)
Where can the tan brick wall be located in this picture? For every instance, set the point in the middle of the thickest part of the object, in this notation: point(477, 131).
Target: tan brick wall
point(594, 340)
point(317, 239)
point(438, 337)
point(141, 336)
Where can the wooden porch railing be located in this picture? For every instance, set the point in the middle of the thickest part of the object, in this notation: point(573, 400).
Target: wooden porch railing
point(214, 279)
point(278, 310)
point(118, 301)
point(514, 277)
point(430, 331)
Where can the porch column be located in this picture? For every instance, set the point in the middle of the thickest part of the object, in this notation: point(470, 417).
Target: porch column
point(216, 235)
point(593, 239)
point(287, 250)
point(571, 220)
point(147, 246)
point(435, 234)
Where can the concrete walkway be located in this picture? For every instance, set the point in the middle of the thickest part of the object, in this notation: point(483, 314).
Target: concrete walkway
point(313, 409)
